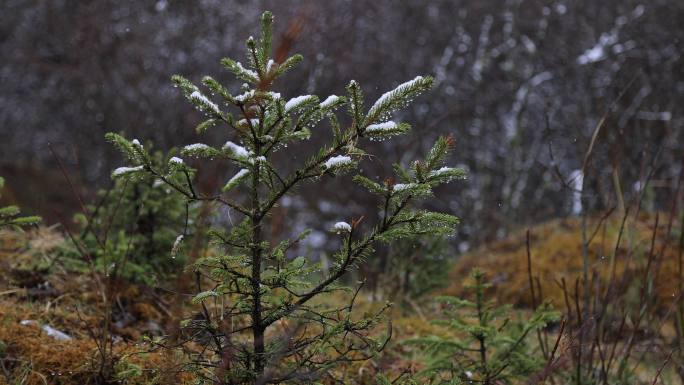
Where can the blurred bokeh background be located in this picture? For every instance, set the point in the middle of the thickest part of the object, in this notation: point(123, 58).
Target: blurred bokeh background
point(520, 84)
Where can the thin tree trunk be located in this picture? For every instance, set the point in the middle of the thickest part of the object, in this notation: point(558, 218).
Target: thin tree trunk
point(257, 322)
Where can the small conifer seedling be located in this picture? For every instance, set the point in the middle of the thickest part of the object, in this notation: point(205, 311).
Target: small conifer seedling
point(264, 314)
point(9, 215)
point(140, 220)
point(490, 346)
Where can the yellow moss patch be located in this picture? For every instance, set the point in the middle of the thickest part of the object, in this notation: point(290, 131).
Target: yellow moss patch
point(557, 255)
point(39, 359)
point(73, 305)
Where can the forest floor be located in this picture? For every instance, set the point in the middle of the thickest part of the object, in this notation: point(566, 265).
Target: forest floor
point(51, 319)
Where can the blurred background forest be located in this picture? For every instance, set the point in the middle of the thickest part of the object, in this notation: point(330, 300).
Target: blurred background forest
point(521, 85)
point(567, 116)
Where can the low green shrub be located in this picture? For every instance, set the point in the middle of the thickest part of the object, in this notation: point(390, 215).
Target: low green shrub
point(130, 231)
